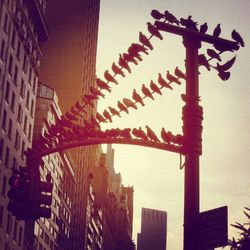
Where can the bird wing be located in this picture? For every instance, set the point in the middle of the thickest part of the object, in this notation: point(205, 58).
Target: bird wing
point(226, 66)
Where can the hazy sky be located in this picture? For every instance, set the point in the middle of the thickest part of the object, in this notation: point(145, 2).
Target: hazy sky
point(225, 162)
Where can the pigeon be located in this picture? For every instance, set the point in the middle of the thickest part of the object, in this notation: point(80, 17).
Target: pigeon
point(117, 70)
point(129, 103)
point(145, 41)
point(79, 106)
point(138, 48)
point(134, 53)
point(217, 31)
point(172, 78)
point(237, 37)
point(203, 28)
point(203, 61)
point(151, 135)
point(142, 134)
point(70, 116)
point(129, 58)
point(157, 15)
point(74, 111)
point(226, 66)
point(109, 77)
point(94, 122)
point(107, 115)
point(113, 111)
point(103, 85)
point(122, 107)
point(126, 133)
point(171, 18)
point(189, 23)
point(123, 63)
point(213, 54)
point(155, 88)
point(87, 101)
point(137, 97)
point(95, 91)
point(100, 118)
point(91, 97)
point(164, 136)
point(222, 49)
point(224, 75)
point(163, 83)
point(146, 92)
point(154, 31)
point(137, 133)
point(179, 73)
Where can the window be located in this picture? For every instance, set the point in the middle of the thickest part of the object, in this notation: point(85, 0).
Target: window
point(20, 236)
point(7, 92)
point(1, 148)
point(16, 75)
point(20, 114)
point(9, 224)
point(2, 50)
point(1, 215)
point(10, 65)
point(18, 52)
point(17, 140)
point(10, 128)
point(22, 89)
point(32, 108)
point(22, 149)
point(14, 163)
point(4, 185)
point(28, 99)
point(15, 230)
point(4, 119)
point(25, 124)
point(13, 38)
point(30, 74)
point(13, 99)
point(30, 132)
point(25, 63)
point(7, 156)
point(5, 24)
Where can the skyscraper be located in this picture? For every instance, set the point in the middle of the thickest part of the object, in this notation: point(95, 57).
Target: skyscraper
point(153, 230)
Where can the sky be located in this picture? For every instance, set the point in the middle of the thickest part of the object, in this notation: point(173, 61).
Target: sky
point(155, 174)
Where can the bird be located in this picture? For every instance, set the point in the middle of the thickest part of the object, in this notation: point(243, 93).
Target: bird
point(237, 37)
point(226, 66)
point(137, 97)
point(171, 18)
point(107, 115)
point(79, 106)
point(154, 31)
point(122, 107)
point(129, 58)
point(179, 73)
point(113, 111)
point(109, 77)
point(138, 48)
point(172, 78)
point(74, 111)
point(123, 63)
point(217, 31)
point(145, 41)
point(203, 61)
point(213, 54)
point(163, 83)
point(117, 70)
point(134, 52)
point(70, 116)
point(126, 133)
point(156, 14)
point(95, 91)
point(146, 91)
point(222, 49)
point(94, 122)
point(155, 88)
point(224, 75)
point(189, 23)
point(129, 103)
point(87, 101)
point(203, 28)
point(103, 85)
point(139, 133)
point(91, 97)
point(164, 136)
point(100, 118)
point(151, 135)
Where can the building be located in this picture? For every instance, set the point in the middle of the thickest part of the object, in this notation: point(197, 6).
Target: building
point(153, 230)
point(22, 31)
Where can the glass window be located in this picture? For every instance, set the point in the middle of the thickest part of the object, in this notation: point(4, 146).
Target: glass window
point(10, 128)
point(20, 236)
point(30, 132)
point(7, 156)
point(18, 52)
point(2, 51)
point(32, 108)
point(17, 140)
point(22, 149)
point(16, 75)
point(25, 63)
point(1, 148)
point(4, 119)
point(7, 92)
point(13, 99)
point(5, 24)
point(15, 230)
point(10, 65)
point(4, 185)
point(13, 38)
point(22, 89)
point(28, 99)
point(9, 224)
point(20, 114)
point(25, 124)
point(1, 215)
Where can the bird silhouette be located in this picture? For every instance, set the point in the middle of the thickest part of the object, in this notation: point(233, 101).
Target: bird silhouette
point(237, 37)
point(217, 31)
point(146, 92)
point(203, 28)
point(179, 73)
point(87, 101)
point(134, 52)
point(156, 14)
point(138, 48)
point(224, 75)
point(154, 31)
point(155, 88)
point(129, 58)
point(74, 111)
point(126, 133)
point(117, 70)
point(226, 66)
point(91, 97)
point(172, 78)
point(113, 111)
point(142, 134)
point(137, 97)
point(151, 135)
point(164, 136)
point(100, 118)
point(145, 41)
point(79, 107)
point(95, 91)
point(223, 48)
point(102, 85)
point(122, 107)
point(123, 63)
point(129, 103)
point(94, 122)
point(71, 117)
point(213, 54)
point(109, 77)
point(203, 61)
point(163, 83)
point(107, 115)
point(171, 18)
point(189, 23)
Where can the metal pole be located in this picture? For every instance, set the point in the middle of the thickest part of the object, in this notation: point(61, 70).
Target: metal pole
point(192, 128)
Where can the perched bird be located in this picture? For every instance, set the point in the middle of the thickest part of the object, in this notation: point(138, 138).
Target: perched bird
point(145, 41)
point(163, 83)
point(171, 18)
point(113, 111)
point(129, 103)
point(79, 107)
point(117, 70)
point(217, 31)
point(134, 52)
point(156, 14)
point(94, 122)
point(87, 101)
point(139, 133)
point(172, 78)
point(95, 91)
point(203, 28)
point(165, 136)
point(103, 85)
point(100, 118)
point(109, 77)
point(126, 133)
point(74, 111)
point(129, 58)
point(91, 97)
point(237, 37)
point(151, 135)
point(107, 115)
point(179, 73)
point(70, 116)
point(137, 97)
point(123, 63)
point(154, 31)
point(213, 54)
point(137, 48)
point(146, 92)
point(122, 107)
point(224, 75)
point(203, 61)
point(189, 23)
point(222, 49)
point(226, 66)
point(155, 88)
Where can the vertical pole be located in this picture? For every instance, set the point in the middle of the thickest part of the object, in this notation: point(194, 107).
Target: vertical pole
point(192, 128)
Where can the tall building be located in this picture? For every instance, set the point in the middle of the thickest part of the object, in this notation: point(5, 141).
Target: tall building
point(153, 233)
point(22, 31)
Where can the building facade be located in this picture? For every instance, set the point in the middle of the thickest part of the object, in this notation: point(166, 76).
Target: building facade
point(153, 233)
point(22, 31)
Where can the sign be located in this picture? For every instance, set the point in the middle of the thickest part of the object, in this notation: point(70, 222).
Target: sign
point(213, 228)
